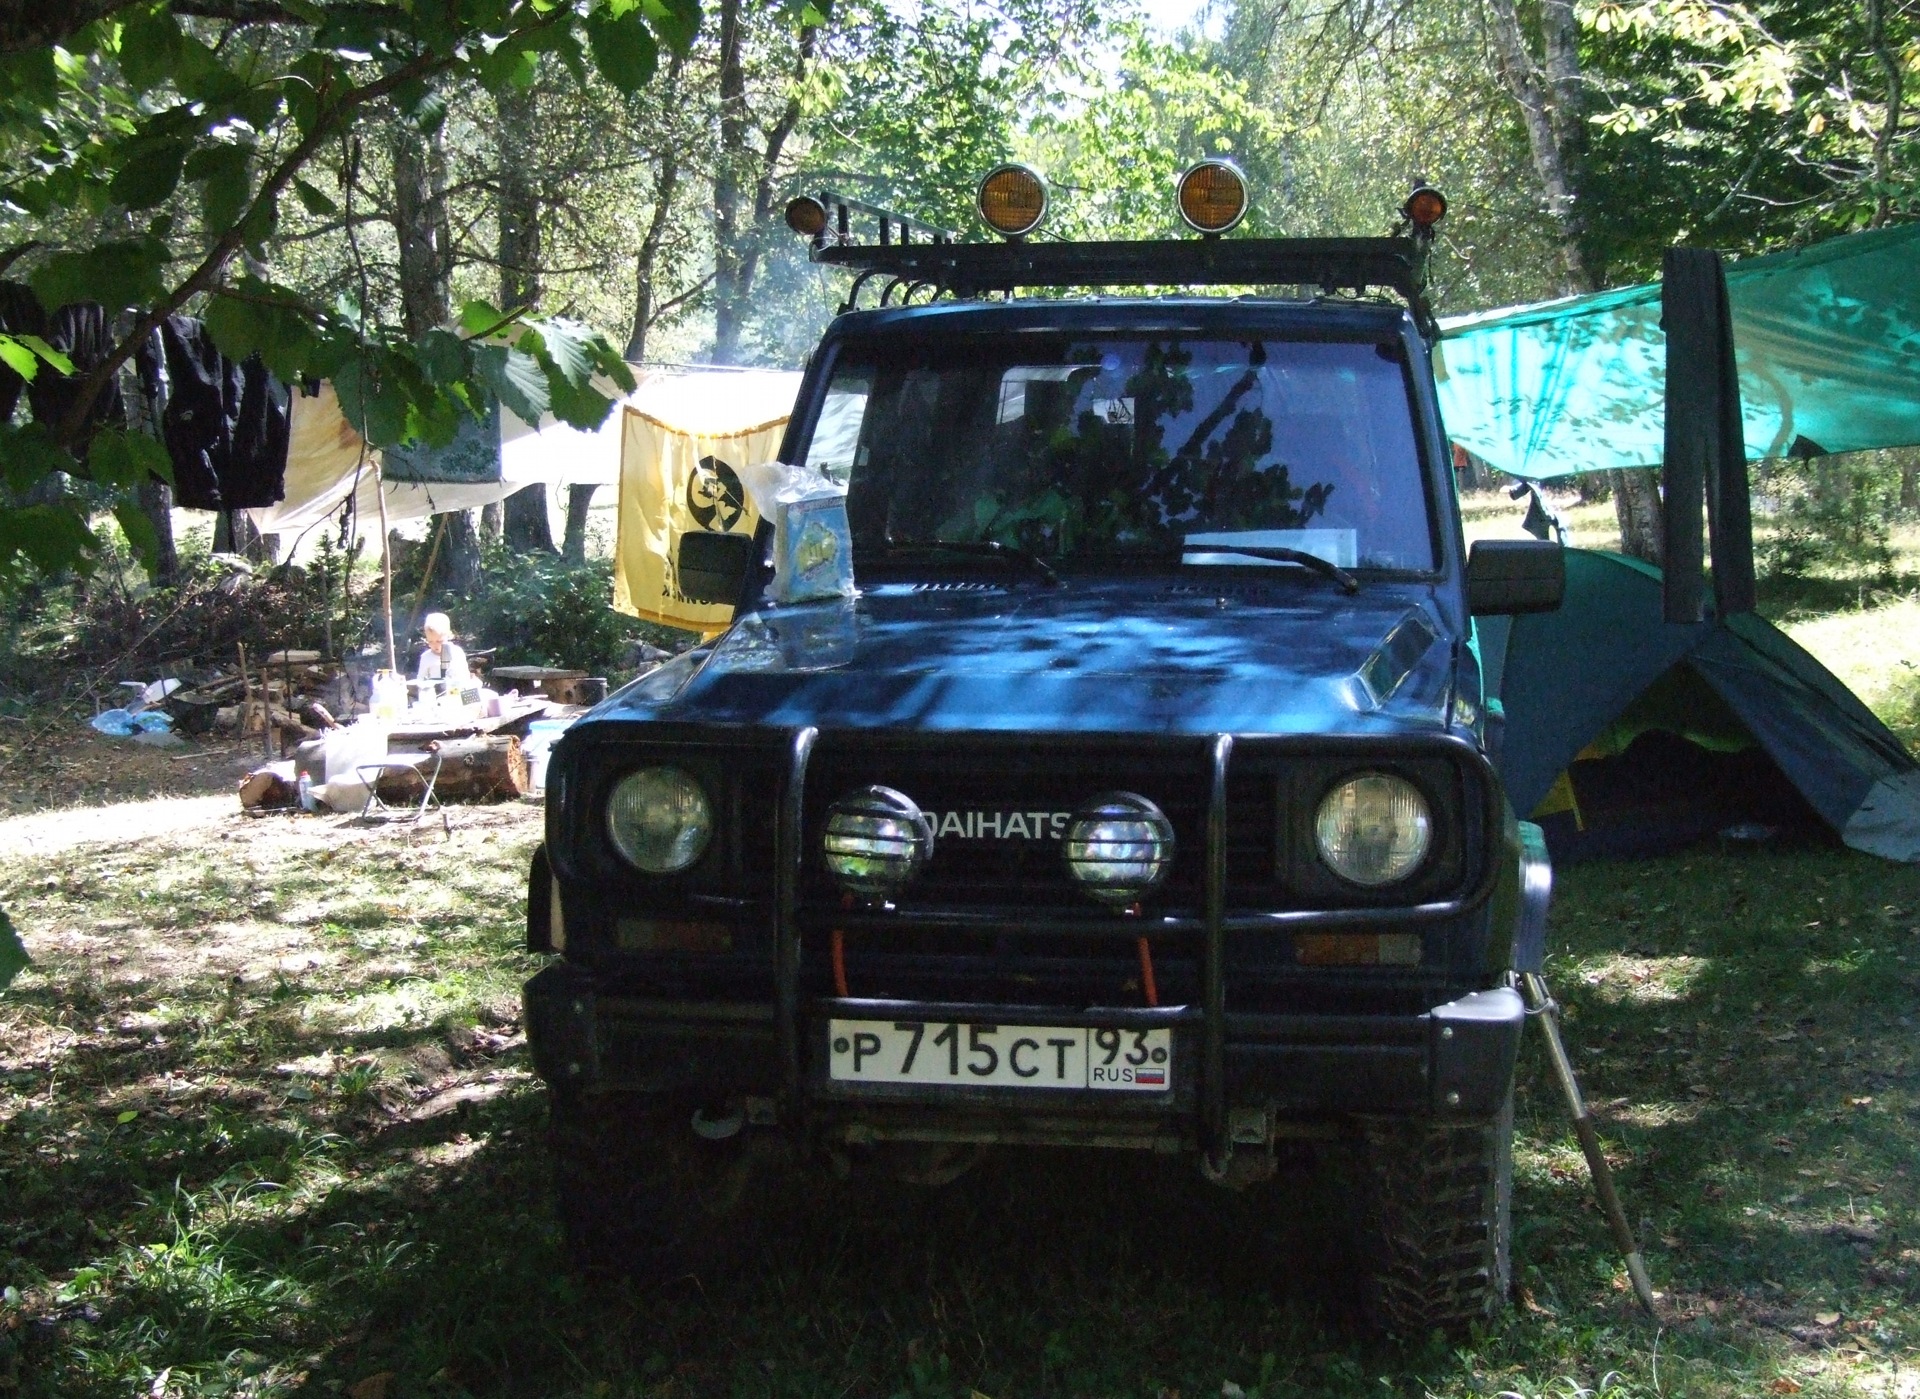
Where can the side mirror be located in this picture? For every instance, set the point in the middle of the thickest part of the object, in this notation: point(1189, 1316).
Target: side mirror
point(713, 568)
point(1506, 577)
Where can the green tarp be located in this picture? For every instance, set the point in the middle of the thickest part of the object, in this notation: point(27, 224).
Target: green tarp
point(1827, 340)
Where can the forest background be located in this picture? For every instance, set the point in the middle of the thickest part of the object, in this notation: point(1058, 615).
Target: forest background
point(342, 183)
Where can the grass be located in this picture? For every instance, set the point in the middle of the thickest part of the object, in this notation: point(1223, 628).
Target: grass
point(266, 1127)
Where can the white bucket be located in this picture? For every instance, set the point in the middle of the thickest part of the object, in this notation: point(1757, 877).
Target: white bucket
point(538, 748)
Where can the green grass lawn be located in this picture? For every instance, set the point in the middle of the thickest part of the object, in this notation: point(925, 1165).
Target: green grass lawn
point(266, 1127)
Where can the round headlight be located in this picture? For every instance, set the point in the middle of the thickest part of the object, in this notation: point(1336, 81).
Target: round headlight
point(1119, 847)
point(876, 841)
point(660, 819)
point(1374, 829)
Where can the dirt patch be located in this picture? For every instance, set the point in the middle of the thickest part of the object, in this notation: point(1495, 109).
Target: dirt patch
point(54, 761)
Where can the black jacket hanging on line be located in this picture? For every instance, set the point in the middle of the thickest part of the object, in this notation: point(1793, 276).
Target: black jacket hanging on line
point(225, 424)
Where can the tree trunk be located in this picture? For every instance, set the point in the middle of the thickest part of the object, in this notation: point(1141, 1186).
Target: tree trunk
point(458, 568)
point(573, 547)
point(491, 522)
point(1910, 485)
point(525, 527)
point(1551, 98)
point(156, 503)
point(1636, 506)
point(420, 226)
point(729, 293)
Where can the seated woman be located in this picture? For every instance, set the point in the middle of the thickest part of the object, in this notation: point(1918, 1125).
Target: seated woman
point(442, 661)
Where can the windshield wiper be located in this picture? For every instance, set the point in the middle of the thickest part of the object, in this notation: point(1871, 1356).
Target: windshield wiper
point(990, 548)
point(1280, 554)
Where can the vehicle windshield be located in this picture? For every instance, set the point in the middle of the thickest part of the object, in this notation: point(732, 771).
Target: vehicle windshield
point(1077, 450)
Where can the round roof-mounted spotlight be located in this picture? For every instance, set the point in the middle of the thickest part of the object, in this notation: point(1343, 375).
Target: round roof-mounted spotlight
point(1425, 207)
point(1013, 200)
point(1213, 196)
point(807, 216)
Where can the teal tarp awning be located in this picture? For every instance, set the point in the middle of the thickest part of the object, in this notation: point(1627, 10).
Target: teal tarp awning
point(1827, 340)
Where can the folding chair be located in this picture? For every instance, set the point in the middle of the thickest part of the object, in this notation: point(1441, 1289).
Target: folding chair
point(427, 769)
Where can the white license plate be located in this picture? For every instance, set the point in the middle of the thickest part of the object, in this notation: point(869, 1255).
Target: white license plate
point(952, 1054)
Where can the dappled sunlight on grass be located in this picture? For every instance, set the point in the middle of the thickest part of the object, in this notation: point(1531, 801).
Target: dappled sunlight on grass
point(289, 1140)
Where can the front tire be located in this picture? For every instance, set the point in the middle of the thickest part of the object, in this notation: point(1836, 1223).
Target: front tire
point(1439, 1221)
point(638, 1192)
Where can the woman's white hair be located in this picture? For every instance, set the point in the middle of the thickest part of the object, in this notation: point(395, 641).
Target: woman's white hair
point(437, 621)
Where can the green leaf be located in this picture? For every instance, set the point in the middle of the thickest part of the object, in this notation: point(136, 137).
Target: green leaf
point(676, 21)
point(141, 538)
point(223, 173)
point(623, 50)
point(444, 356)
point(18, 357)
point(125, 460)
point(127, 1116)
point(52, 538)
point(116, 275)
point(480, 317)
point(314, 201)
point(516, 379)
point(151, 48)
point(268, 321)
point(151, 172)
point(577, 405)
point(13, 955)
point(46, 352)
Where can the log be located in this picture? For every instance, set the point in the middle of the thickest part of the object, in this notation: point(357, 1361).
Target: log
point(471, 770)
point(270, 788)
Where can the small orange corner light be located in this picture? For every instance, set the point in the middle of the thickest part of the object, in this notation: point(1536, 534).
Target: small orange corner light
point(1013, 200)
point(1425, 207)
point(1213, 196)
point(807, 216)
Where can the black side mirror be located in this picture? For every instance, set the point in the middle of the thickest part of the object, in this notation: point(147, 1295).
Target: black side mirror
point(1506, 577)
point(713, 568)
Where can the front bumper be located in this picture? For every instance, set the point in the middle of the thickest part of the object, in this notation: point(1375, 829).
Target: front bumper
point(1455, 1061)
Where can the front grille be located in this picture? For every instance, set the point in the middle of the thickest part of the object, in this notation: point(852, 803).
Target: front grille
point(1000, 815)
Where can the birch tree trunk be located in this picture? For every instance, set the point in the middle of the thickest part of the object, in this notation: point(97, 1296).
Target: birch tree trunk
point(1551, 96)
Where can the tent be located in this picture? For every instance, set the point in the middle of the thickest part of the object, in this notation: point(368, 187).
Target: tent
point(1626, 733)
point(1825, 339)
point(684, 441)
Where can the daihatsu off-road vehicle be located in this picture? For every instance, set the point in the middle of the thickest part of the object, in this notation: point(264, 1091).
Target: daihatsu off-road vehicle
point(1141, 798)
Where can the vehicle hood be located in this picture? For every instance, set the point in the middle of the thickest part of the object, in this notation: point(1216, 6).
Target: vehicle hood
point(1292, 656)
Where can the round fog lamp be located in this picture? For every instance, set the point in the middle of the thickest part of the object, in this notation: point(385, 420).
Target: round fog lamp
point(1119, 847)
point(1213, 196)
point(659, 818)
point(807, 216)
point(1013, 200)
point(1373, 829)
point(876, 841)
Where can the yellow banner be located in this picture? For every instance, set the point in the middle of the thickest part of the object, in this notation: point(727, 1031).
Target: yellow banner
point(673, 483)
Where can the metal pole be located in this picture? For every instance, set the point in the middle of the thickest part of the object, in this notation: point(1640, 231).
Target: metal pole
point(1542, 1008)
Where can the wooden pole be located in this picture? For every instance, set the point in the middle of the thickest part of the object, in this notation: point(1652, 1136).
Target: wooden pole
point(386, 566)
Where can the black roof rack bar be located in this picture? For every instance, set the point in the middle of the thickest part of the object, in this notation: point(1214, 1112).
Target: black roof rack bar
point(895, 229)
point(1333, 265)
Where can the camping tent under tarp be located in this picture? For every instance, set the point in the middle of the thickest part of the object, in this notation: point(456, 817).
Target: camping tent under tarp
point(1627, 733)
point(1825, 339)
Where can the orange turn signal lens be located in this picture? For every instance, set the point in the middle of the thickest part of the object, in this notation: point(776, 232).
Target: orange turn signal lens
point(1213, 196)
point(1013, 200)
point(1357, 949)
point(807, 216)
point(1425, 207)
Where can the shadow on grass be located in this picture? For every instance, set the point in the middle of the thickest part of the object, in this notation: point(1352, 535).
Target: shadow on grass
point(309, 1246)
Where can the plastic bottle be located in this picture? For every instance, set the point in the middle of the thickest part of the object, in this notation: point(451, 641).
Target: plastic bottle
point(306, 792)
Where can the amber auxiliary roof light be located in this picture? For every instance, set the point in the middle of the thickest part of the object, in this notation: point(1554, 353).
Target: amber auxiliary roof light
point(1425, 207)
point(807, 216)
point(1013, 200)
point(1213, 196)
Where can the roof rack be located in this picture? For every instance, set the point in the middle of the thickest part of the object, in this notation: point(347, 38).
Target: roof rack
point(938, 263)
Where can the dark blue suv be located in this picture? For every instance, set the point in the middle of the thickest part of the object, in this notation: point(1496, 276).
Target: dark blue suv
point(1142, 798)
